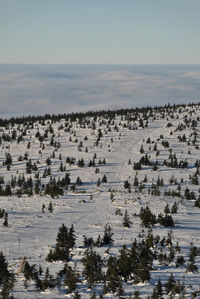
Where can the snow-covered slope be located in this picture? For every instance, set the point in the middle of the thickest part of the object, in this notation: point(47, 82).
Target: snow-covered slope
point(116, 140)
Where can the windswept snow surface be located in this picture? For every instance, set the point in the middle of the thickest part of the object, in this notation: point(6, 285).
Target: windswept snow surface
point(31, 233)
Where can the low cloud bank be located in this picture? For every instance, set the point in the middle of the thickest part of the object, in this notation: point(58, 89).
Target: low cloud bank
point(41, 89)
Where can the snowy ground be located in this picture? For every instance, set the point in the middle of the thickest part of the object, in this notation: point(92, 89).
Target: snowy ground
point(31, 233)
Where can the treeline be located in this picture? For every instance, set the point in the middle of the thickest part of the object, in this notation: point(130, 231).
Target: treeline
point(103, 113)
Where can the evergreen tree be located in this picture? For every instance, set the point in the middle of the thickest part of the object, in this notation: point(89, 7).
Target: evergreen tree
point(43, 207)
point(147, 217)
point(174, 208)
point(112, 274)
point(169, 285)
point(98, 182)
point(65, 238)
point(71, 278)
point(191, 266)
point(5, 223)
point(142, 149)
point(3, 268)
point(48, 161)
point(142, 271)
point(107, 237)
point(81, 163)
point(78, 181)
point(104, 179)
point(136, 181)
point(166, 209)
point(65, 241)
point(180, 261)
point(6, 278)
point(50, 207)
point(126, 220)
point(158, 288)
point(127, 185)
point(92, 267)
point(124, 263)
point(8, 191)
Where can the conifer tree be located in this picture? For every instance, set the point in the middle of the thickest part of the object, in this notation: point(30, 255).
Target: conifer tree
point(98, 182)
point(6, 278)
point(112, 274)
point(126, 185)
point(50, 207)
point(43, 207)
point(71, 278)
point(5, 223)
point(136, 181)
point(92, 264)
point(166, 209)
point(126, 220)
point(107, 237)
point(174, 208)
point(104, 179)
point(65, 241)
point(124, 263)
point(169, 285)
point(158, 288)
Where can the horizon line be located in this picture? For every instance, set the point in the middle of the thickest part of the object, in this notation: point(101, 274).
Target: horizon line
point(103, 64)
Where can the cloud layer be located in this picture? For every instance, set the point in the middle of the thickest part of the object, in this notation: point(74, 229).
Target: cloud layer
point(40, 89)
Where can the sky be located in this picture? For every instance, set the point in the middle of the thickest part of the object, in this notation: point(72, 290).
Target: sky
point(100, 31)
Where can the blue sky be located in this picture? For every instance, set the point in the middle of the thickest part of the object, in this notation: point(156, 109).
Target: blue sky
point(100, 31)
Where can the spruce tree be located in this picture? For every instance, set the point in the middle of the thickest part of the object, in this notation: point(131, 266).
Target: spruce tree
point(6, 278)
point(112, 275)
point(158, 288)
point(71, 278)
point(43, 207)
point(5, 223)
point(107, 237)
point(169, 285)
point(65, 241)
point(92, 267)
point(50, 207)
point(104, 179)
point(126, 221)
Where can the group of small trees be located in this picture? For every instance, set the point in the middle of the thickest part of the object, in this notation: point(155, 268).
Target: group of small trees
point(107, 238)
point(54, 188)
point(64, 242)
point(149, 219)
point(42, 280)
point(191, 266)
point(134, 263)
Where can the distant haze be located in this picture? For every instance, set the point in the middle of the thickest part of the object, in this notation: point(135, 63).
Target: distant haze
point(40, 89)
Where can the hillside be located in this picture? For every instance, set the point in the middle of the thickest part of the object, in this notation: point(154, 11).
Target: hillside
point(124, 183)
